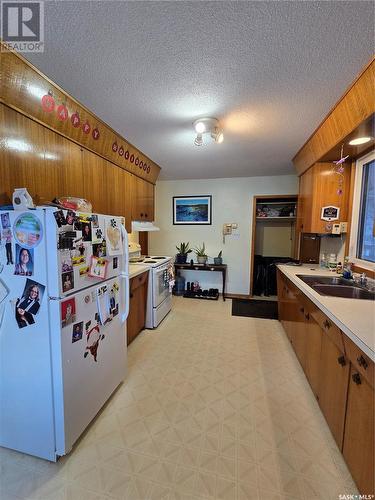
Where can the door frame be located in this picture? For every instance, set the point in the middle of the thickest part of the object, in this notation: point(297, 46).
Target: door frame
point(253, 230)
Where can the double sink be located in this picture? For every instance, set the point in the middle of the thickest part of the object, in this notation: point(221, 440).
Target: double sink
point(337, 287)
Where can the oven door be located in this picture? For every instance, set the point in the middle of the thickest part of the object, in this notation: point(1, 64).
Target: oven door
point(160, 285)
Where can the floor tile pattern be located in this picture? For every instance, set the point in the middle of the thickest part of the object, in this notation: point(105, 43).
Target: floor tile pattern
point(213, 407)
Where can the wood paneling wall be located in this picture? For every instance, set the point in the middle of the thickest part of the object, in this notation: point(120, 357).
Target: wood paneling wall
point(357, 105)
point(22, 87)
point(50, 165)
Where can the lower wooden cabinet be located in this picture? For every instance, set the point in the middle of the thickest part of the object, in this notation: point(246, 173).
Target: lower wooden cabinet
point(137, 306)
point(359, 437)
point(340, 375)
point(333, 387)
point(314, 339)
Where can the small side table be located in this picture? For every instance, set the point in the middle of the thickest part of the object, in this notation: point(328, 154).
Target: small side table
point(206, 267)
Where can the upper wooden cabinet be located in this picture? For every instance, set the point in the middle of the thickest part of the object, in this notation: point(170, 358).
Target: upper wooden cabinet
point(320, 186)
point(143, 204)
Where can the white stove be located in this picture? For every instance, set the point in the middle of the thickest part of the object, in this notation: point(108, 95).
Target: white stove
point(150, 260)
point(159, 296)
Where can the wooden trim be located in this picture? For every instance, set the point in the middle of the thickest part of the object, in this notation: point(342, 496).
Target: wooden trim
point(21, 88)
point(252, 248)
point(237, 296)
point(350, 206)
point(355, 106)
point(369, 273)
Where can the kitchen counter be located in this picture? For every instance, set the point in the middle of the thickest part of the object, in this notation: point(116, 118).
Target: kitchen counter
point(354, 317)
point(135, 269)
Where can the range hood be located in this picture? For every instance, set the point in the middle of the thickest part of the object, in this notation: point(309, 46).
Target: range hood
point(138, 225)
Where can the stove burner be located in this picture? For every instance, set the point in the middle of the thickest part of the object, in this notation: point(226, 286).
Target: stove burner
point(150, 261)
point(159, 258)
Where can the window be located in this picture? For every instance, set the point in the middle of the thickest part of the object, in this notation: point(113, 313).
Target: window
point(362, 241)
point(366, 239)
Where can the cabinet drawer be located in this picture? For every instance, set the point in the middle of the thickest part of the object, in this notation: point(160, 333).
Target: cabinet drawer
point(138, 281)
point(360, 360)
point(333, 331)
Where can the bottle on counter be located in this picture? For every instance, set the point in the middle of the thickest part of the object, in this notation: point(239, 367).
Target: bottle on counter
point(332, 261)
point(339, 268)
point(347, 269)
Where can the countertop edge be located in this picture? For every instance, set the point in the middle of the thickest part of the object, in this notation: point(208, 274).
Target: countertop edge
point(314, 298)
point(136, 272)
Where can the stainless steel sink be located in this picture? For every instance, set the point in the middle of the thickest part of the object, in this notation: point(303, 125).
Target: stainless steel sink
point(335, 286)
point(326, 280)
point(349, 292)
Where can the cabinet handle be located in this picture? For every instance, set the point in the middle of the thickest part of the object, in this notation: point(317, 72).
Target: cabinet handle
point(131, 295)
point(356, 378)
point(362, 362)
point(341, 360)
point(145, 215)
point(327, 324)
point(302, 310)
point(141, 214)
point(307, 316)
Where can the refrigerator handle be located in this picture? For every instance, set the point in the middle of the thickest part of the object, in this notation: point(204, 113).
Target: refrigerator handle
point(125, 315)
point(126, 249)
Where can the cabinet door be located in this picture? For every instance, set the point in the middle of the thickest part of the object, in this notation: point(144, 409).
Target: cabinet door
point(313, 352)
point(95, 178)
point(119, 192)
point(299, 339)
point(359, 436)
point(281, 299)
point(304, 214)
point(333, 387)
point(143, 200)
point(137, 306)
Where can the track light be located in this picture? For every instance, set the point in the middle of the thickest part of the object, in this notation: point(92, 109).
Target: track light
point(210, 126)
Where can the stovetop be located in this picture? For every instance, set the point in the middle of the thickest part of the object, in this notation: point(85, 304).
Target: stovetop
point(152, 260)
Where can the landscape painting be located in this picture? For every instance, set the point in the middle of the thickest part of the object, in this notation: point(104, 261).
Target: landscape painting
point(192, 209)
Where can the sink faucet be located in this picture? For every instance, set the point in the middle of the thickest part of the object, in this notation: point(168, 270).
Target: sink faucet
point(363, 279)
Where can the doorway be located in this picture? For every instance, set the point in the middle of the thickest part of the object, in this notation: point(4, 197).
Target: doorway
point(273, 240)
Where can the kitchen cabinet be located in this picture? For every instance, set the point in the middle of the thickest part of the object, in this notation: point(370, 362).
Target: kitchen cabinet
point(340, 374)
point(359, 438)
point(319, 187)
point(137, 306)
point(333, 387)
point(143, 200)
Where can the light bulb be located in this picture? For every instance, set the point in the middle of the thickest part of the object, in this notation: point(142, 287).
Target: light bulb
point(220, 137)
point(359, 141)
point(198, 140)
point(200, 127)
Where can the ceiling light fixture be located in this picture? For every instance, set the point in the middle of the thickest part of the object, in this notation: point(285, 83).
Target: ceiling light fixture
point(208, 126)
point(198, 140)
point(359, 140)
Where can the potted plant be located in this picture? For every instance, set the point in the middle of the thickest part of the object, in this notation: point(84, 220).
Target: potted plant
point(200, 252)
point(218, 260)
point(182, 254)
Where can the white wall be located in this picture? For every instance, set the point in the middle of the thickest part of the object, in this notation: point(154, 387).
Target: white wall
point(232, 201)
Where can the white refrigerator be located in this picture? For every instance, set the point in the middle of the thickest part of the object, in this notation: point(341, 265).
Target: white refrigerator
point(64, 300)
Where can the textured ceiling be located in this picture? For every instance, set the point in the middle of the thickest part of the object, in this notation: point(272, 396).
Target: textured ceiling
point(269, 71)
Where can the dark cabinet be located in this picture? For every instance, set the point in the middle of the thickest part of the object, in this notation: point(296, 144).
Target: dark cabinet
point(137, 306)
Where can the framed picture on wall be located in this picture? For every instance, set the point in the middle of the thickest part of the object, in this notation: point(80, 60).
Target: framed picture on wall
point(189, 210)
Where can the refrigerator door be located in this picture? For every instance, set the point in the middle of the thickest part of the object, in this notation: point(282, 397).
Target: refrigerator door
point(26, 394)
point(89, 249)
point(93, 356)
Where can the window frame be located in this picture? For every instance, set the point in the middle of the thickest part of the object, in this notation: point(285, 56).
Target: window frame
point(356, 208)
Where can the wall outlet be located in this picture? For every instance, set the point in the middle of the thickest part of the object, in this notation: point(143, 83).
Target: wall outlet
point(336, 228)
point(344, 227)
